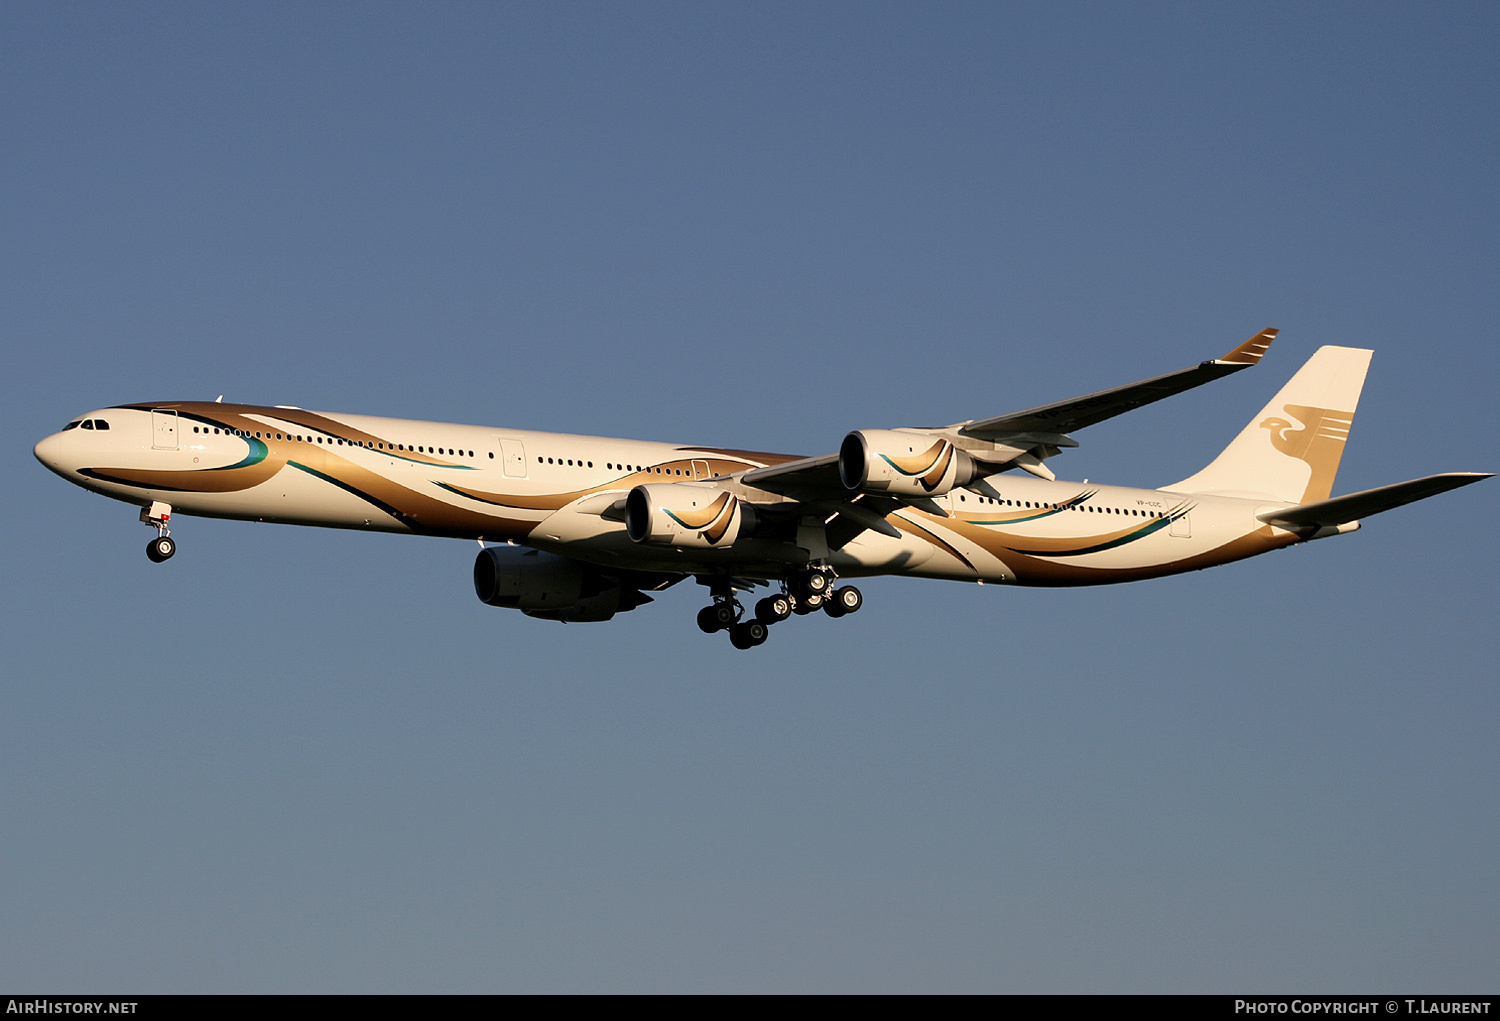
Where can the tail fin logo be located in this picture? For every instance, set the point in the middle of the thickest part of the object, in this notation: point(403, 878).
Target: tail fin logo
point(1315, 436)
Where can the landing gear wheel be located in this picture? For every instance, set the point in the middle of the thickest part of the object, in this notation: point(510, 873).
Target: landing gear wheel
point(773, 609)
point(748, 635)
point(816, 583)
point(808, 604)
point(845, 600)
point(717, 617)
point(161, 548)
point(725, 614)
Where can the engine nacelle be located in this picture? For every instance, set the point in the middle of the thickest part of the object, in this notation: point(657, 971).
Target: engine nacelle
point(673, 514)
point(903, 464)
point(548, 586)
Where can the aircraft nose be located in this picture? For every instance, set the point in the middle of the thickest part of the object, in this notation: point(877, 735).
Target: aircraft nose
point(50, 452)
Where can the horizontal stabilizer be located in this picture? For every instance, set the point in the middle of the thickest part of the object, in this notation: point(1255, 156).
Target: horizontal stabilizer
point(1342, 509)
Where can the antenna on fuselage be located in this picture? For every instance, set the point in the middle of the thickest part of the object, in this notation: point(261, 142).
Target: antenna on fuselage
point(219, 399)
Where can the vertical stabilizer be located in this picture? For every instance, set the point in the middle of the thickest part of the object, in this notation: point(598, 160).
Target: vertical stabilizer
point(1290, 451)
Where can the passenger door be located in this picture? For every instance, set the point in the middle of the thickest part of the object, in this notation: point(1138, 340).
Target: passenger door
point(164, 429)
point(513, 458)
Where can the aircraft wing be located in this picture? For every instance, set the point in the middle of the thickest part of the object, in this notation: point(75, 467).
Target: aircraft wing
point(810, 478)
point(813, 485)
point(1021, 439)
point(1343, 509)
point(1065, 416)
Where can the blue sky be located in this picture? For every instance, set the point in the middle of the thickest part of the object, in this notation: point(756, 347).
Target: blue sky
point(297, 760)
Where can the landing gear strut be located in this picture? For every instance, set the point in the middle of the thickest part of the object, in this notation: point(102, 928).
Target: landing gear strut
point(162, 547)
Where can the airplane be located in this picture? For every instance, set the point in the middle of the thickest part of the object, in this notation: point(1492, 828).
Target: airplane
point(585, 526)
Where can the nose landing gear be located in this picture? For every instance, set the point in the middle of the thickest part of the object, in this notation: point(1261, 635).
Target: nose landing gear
point(162, 547)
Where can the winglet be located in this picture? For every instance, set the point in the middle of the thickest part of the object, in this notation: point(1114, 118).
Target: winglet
point(1252, 350)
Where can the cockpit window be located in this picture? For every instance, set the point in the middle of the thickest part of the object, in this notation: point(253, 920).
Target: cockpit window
point(100, 423)
point(88, 423)
point(73, 424)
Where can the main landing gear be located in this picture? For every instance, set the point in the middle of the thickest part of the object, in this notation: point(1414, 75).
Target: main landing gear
point(726, 614)
point(801, 594)
point(162, 547)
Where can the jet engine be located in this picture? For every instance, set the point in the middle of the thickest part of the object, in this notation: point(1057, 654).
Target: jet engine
point(903, 464)
point(549, 586)
point(700, 517)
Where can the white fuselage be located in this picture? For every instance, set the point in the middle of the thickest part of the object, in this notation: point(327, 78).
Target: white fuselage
point(562, 493)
